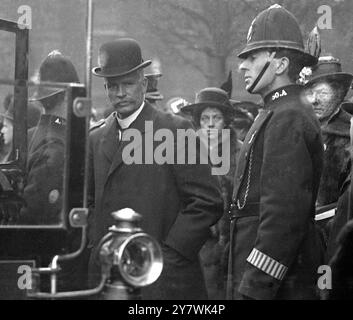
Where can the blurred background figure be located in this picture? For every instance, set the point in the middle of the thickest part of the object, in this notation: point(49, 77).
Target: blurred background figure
point(33, 114)
point(244, 114)
point(344, 206)
point(326, 89)
point(152, 94)
point(213, 112)
point(340, 246)
point(6, 136)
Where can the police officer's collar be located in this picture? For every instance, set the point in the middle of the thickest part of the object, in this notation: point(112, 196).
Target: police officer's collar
point(282, 93)
point(52, 119)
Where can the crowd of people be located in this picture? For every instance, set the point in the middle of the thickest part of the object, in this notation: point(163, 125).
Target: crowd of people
point(251, 233)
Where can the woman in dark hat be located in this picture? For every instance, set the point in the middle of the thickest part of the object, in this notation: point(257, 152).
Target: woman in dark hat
point(211, 113)
point(326, 90)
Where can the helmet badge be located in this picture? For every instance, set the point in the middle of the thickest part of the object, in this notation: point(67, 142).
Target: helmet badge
point(250, 32)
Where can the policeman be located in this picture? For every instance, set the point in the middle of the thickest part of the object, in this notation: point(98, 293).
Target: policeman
point(46, 151)
point(326, 90)
point(274, 249)
point(152, 94)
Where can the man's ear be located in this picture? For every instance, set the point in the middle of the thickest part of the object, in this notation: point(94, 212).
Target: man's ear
point(282, 65)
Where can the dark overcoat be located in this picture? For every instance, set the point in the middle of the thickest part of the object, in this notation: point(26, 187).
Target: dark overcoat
point(214, 255)
point(43, 192)
point(275, 247)
point(178, 202)
point(336, 139)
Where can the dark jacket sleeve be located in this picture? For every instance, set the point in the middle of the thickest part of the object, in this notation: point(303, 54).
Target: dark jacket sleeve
point(286, 202)
point(44, 188)
point(202, 204)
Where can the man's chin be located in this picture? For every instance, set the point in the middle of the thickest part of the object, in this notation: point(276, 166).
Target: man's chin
point(319, 113)
point(123, 110)
point(247, 85)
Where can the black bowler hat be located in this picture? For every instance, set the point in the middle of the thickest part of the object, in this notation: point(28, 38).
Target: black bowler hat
point(119, 58)
point(329, 69)
point(54, 68)
point(210, 97)
point(275, 28)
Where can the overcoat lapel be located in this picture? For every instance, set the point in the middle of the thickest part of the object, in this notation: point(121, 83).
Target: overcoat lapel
point(246, 149)
point(109, 140)
point(139, 124)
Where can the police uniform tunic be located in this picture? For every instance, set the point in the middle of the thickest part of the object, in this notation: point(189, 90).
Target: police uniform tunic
point(275, 248)
point(43, 191)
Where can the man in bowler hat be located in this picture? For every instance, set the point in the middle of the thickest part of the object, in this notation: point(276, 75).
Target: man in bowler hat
point(178, 202)
point(275, 249)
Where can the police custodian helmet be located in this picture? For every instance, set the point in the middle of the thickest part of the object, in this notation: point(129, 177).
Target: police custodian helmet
point(276, 27)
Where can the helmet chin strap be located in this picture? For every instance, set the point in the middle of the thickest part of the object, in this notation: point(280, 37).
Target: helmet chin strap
point(262, 72)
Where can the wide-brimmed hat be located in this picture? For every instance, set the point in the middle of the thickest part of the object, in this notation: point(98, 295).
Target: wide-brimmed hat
point(210, 97)
point(54, 68)
point(329, 69)
point(276, 28)
point(119, 58)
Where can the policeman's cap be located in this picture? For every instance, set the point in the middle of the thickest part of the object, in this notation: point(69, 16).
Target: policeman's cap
point(276, 28)
point(55, 68)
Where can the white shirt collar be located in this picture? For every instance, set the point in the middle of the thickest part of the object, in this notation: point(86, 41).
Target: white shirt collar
point(126, 122)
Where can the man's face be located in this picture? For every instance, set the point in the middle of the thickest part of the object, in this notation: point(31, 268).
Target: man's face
point(126, 93)
point(321, 96)
point(251, 68)
point(212, 120)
